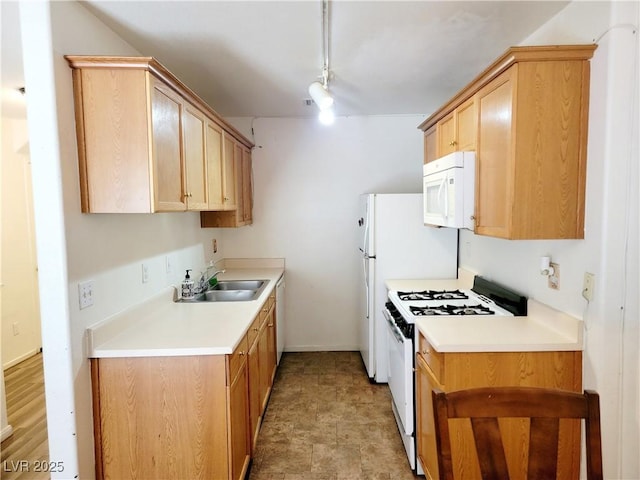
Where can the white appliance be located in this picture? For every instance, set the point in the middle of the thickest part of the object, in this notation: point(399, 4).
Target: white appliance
point(401, 311)
point(449, 190)
point(280, 318)
point(394, 244)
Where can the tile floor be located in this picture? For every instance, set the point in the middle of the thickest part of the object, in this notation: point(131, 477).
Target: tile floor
point(325, 421)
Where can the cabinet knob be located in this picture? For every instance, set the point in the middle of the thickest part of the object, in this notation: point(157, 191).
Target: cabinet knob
point(226, 199)
point(255, 329)
point(270, 325)
point(241, 353)
point(452, 143)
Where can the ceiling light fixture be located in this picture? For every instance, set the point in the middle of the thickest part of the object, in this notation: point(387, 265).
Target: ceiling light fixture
point(319, 90)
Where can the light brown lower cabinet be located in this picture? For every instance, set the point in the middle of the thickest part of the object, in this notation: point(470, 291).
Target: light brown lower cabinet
point(262, 364)
point(183, 417)
point(238, 423)
point(457, 371)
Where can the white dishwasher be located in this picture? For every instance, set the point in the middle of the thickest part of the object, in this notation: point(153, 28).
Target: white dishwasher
point(280, 318)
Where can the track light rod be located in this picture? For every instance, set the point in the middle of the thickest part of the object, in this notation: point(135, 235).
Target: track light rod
point(325, 43)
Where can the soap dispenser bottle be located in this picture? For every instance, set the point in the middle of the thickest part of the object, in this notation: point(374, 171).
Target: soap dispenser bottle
point(188, 287)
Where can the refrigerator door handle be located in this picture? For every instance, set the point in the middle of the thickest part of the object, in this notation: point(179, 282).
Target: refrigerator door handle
point(364, 254)
point(365, 268)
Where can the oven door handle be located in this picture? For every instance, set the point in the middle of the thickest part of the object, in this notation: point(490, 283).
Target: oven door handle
point(392, 326)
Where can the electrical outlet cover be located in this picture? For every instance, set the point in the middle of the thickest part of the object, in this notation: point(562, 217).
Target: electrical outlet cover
point(554, 280)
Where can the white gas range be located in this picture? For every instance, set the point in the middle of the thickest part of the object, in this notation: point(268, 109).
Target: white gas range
point(401, 311)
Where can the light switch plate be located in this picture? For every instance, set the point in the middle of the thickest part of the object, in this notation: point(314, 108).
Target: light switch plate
point(587, 286)
point(145, 273)
point(85, 294)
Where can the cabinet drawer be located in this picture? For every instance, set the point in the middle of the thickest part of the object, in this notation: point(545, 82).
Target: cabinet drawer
point(254, 329)
point(236, 359)
point(434, 359)
point(266, 307)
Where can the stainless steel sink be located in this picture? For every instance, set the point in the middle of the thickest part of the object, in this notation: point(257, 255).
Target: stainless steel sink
point(228, 295)
point(238, 284)
point(230, 291)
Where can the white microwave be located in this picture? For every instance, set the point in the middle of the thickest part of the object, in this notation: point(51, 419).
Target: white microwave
point(449, 189)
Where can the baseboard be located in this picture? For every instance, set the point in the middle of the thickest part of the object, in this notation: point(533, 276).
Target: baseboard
point(21, 358)
point(6, 432)
point(321, 348)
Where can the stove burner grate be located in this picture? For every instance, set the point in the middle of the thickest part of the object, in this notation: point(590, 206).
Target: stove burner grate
point(433, 295)
point(452, 310)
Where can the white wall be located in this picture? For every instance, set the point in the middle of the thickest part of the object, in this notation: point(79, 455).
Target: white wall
point(74, 247)
point(18, 266)
point(307, 181)
point(610, 247)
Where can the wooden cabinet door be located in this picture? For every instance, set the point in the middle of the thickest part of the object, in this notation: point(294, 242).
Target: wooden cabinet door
point(154, 415)
point(254, 393)
point(113, 140)
point(230, 173)
point(265, 377)
point(247, 187)
point(425, 423)
point(494, 172)
point(446, 135)
point(239, 424)
point(215, 167)
point(431, 144)
point(193, 133)
point(466, 126)
point(237, 165)
point(166, 114)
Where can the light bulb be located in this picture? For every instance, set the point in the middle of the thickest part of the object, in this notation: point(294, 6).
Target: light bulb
point(327, 116)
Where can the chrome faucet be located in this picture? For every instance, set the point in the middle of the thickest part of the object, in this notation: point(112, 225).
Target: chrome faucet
point(205, 278)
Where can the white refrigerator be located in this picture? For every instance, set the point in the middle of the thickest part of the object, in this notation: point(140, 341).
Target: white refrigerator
point(395, 244)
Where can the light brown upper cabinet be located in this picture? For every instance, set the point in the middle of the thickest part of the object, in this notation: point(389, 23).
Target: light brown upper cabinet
point(457, 130)
point(529, 121)
point(242, 215)
point(195, 164)
point(431, 144)
point(221, 169)
point(178, 162)
point(145, 140)
point(247, 186)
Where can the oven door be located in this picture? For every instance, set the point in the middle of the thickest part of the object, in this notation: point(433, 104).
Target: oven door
point(401, 374)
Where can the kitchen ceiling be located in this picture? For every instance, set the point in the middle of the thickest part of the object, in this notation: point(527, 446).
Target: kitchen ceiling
point(258, 58)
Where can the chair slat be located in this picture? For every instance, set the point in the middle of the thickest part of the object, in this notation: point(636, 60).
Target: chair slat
point(493, 463)
point(543, 448)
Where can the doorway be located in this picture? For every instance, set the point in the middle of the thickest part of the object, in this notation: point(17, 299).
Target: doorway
point(22, 380)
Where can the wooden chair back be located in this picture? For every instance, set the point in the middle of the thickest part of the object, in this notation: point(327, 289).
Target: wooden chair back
point(544, 407)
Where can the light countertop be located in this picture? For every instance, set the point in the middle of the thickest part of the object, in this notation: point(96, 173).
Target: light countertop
point(161, 327)
point(543, 329)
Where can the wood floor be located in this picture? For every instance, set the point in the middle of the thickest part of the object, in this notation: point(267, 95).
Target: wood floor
point(25, 453)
